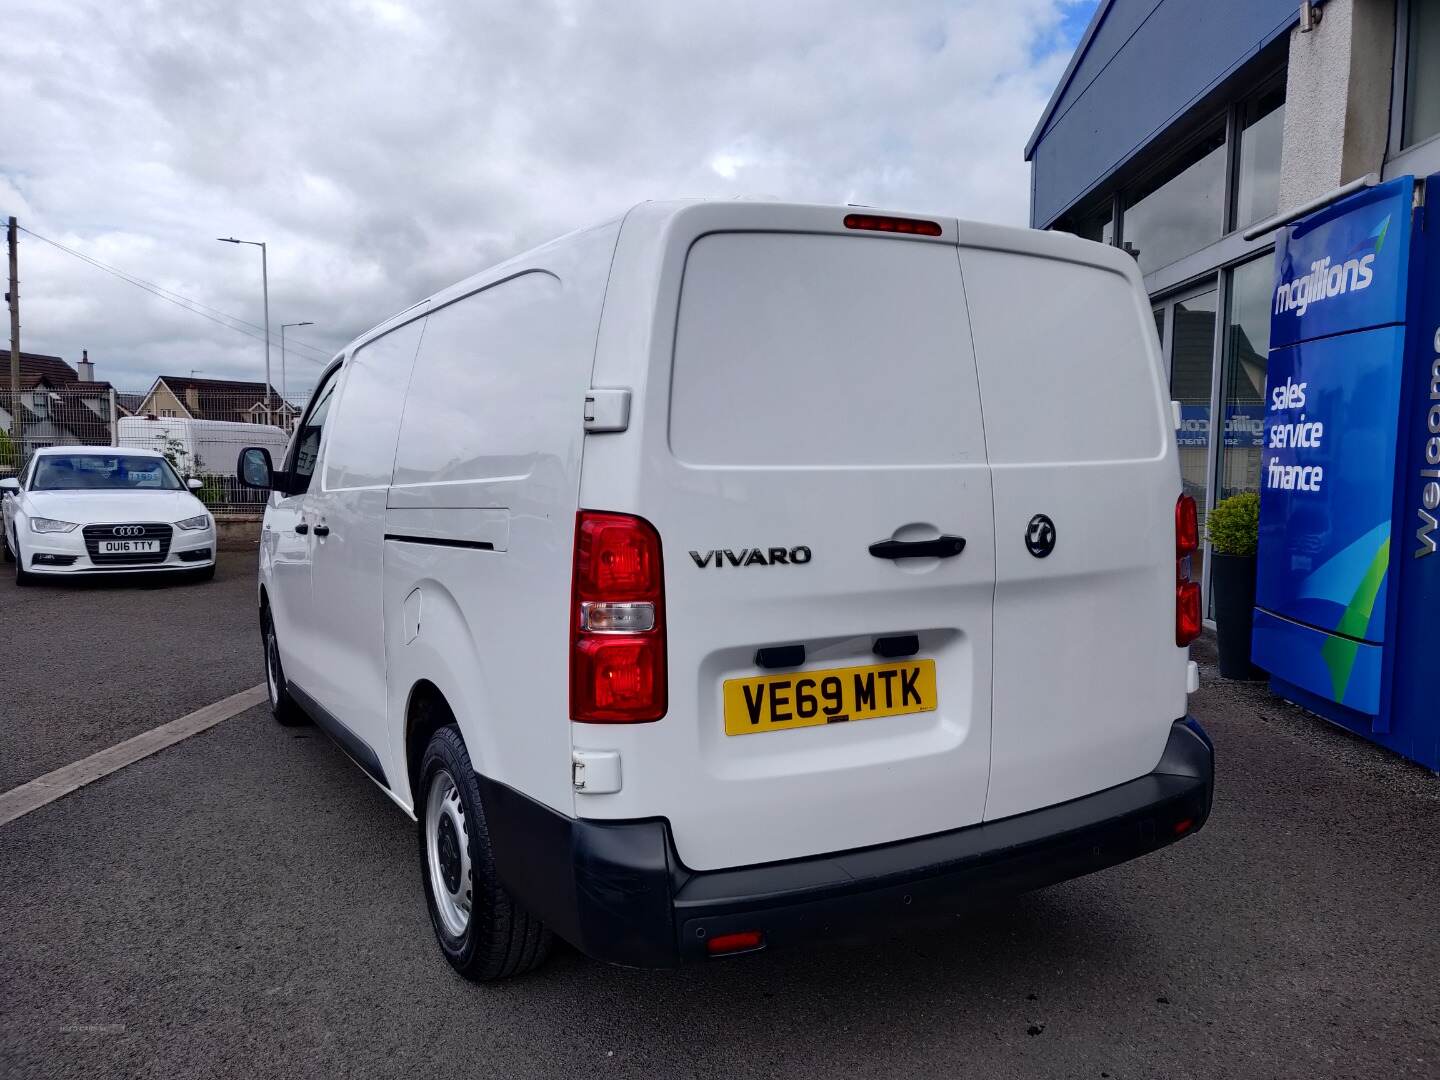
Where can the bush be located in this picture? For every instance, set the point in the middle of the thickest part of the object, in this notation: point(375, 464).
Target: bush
point(1234, 525)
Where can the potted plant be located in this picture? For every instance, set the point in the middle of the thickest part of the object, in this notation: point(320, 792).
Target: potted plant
point(1233, 531)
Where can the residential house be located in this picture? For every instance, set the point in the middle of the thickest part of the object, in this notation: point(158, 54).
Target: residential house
point(57, 405)
point(216, 399)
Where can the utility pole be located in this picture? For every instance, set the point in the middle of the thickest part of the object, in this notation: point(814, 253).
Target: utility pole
point(14, 297)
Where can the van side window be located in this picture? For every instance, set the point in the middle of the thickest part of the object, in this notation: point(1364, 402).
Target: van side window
point(307, 442)
point(361, 449)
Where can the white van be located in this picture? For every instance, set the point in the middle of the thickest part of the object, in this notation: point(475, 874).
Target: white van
point(198, 446)
point(738, 572)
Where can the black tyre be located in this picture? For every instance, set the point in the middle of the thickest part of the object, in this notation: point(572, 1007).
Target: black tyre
point(483, 932)
point(22, 576)
point(281, 703)
point(207, 574)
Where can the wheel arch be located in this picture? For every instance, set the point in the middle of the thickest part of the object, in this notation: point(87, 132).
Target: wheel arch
point(427, 710)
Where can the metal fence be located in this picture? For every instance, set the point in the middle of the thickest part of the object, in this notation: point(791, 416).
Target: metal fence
point(201, 433)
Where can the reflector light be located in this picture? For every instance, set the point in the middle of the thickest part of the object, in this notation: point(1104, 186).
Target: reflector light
point(1187, 612)
point(743, 941)
point(878, 223)
point(1183, 826)
point(617, 653)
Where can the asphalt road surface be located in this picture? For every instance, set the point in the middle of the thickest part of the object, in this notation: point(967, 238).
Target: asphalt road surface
point(247, 904)
point(88, 662)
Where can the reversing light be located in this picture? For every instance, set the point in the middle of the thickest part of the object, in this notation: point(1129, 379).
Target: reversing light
point(742, 941)
point(611, 618)
point(879, 223)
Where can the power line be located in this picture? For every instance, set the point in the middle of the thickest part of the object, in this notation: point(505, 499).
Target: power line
point(216, 316)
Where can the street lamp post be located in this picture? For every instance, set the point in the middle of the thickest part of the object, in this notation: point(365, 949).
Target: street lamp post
point(265, 286)
point(285, 400)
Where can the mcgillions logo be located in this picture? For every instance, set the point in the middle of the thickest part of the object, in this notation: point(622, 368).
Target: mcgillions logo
point(1328, 278)
point(775, 556)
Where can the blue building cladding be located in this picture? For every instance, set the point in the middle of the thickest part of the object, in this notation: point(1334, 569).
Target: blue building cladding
point(1139, 67)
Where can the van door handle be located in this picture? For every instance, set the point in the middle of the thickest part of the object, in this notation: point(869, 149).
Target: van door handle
point(302, 529)
point(322, 530)
point(942, 547)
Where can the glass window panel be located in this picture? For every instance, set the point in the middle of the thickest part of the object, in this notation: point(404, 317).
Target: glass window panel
point(1257, 180)
point(1180, 210)
point(1247, 345)
point(307, 444)
point(1095, 225)
point(1160, 326)
point(1192, 353)
point(1422, 72)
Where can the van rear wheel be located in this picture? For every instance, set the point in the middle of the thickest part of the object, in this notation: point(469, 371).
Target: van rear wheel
point(484, 934)
point(282, 705)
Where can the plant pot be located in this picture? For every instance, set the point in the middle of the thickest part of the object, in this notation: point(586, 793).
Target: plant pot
point(1232, 584)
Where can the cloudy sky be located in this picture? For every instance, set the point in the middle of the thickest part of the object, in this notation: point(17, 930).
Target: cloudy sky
point(384, 149)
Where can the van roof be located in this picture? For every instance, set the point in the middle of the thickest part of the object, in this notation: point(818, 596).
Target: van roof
point(655, 218)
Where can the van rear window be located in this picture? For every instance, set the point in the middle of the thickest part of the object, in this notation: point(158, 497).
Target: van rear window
point(822, 350)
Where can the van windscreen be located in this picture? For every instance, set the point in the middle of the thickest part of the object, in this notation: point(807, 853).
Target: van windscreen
point(808, 350)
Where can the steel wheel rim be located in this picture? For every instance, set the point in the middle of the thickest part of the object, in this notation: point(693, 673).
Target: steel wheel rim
point(447, 853)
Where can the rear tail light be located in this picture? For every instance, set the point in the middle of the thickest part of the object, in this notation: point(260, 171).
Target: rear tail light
point(1187, 592)
point(617, 632)
point(879, 223)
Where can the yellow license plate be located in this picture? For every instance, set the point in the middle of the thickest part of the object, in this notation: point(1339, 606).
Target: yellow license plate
point(833, 696)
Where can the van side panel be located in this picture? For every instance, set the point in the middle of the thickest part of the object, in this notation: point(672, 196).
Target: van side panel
point(342, 633)
point(480, 516)
point(1087, 675)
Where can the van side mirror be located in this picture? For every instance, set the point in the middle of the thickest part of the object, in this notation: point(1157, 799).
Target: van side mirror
point(10, 484)
point(194, 484)
point(255, 470)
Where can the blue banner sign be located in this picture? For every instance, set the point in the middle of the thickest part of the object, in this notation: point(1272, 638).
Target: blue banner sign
point(1345, 267)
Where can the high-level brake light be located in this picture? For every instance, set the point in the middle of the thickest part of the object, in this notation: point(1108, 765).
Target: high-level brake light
point(883, 223)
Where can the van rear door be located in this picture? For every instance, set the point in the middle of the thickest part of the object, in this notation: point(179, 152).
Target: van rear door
point(812, 454)
point(1087, 676)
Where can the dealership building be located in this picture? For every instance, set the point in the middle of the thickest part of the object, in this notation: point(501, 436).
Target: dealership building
point(1178, 127)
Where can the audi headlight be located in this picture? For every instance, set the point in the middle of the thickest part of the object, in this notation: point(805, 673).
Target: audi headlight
point(199, 521)
point(50, 525)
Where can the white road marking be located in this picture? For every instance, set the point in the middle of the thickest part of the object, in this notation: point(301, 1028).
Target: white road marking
point(17, 802)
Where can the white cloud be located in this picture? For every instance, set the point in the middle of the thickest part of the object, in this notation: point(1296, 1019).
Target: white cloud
point(384, 149)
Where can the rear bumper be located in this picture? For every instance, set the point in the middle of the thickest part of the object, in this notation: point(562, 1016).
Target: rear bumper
point(618, 891)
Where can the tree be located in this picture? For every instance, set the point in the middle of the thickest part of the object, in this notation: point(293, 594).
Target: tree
point(9, 459)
